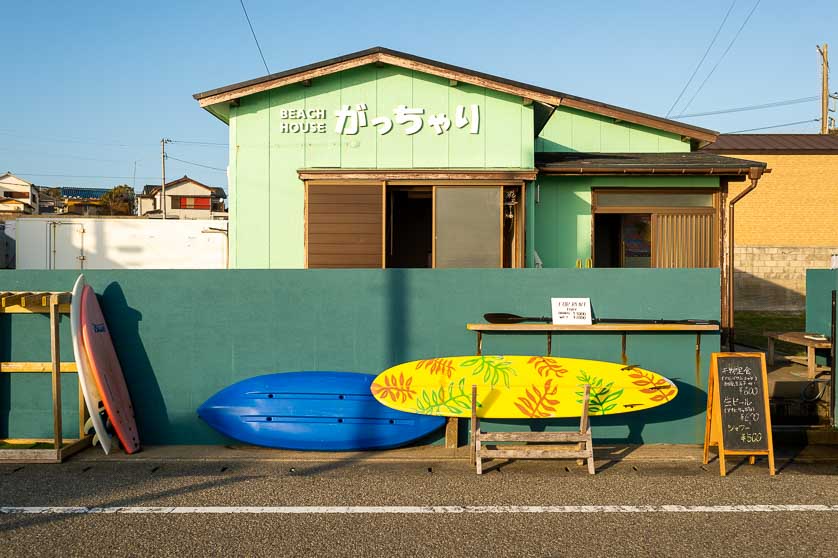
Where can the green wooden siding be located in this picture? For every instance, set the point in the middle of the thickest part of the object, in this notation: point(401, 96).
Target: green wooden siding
point(574, 130)
point(562, 216)
point(267, 198)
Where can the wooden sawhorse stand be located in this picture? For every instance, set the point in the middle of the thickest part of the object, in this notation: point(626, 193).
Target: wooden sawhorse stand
point(584, 443)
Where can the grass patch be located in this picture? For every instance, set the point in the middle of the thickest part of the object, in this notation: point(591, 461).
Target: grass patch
point(752, 326)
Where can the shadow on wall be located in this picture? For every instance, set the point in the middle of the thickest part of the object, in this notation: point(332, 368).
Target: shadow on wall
point(124, 323)
point(691, 401)
point(761, 295)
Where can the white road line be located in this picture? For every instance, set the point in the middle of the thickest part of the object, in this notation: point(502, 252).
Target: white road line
point(742, 508)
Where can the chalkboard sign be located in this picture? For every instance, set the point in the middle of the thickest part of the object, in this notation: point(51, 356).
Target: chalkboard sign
point(738, 415)
point(742, 398)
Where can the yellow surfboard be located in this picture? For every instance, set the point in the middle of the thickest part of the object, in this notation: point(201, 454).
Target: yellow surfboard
point(519, 387)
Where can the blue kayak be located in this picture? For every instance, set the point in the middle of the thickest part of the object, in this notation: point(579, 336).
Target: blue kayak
point(327, 411)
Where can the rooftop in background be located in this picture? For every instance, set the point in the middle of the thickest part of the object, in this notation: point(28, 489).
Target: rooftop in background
point(150, 190)
point(801, 144)
point(643, 163)
point(84, 193)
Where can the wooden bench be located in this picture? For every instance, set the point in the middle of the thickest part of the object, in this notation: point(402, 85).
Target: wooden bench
point(799, 338)
point(584, 444)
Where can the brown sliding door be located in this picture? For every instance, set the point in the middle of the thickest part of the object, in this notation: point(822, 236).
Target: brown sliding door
point(344, 225)
point(683, 240)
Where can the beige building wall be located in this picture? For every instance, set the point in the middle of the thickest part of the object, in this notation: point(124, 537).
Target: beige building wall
point(787, 225)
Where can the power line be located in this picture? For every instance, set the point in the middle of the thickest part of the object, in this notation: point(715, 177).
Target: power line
point(700, 62)
point(729, 46)
point(775, 126)
point(83, 175)
point(196, 164)
point(254, 36)
point(208, 143)
point(751, 107)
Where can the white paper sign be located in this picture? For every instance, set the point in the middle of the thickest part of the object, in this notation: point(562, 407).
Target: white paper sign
point(575, 311)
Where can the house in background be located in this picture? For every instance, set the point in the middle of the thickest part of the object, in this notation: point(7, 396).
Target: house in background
point(84, 201)
point(789, 223)
point(185, 199)
point(17, 196)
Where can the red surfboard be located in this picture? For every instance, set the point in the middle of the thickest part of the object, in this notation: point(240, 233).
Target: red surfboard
point(107, 372)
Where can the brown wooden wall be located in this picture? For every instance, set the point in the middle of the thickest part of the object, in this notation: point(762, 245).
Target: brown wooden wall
point(344, 227)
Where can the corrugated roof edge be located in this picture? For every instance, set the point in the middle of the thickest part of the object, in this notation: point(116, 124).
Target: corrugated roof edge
point(775, 143)
point(701, 132)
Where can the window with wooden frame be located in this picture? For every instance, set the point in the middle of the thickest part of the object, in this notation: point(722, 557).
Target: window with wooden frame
point(655, 228)
point(404, 224)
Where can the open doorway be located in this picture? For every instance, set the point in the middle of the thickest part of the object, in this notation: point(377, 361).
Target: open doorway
point(622, 240)
point(409, 227)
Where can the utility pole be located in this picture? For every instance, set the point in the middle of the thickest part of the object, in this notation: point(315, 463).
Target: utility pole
point(163, 143)
point(824, 52)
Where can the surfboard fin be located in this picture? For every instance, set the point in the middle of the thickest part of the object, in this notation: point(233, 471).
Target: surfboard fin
point(88, 425)
point(95, 441)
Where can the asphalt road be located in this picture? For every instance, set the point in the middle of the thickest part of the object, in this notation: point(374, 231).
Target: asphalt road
point(634, 532)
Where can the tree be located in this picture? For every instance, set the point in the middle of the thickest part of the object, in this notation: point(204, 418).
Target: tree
point(119, 200)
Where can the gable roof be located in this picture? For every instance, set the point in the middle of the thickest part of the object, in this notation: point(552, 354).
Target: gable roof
point(381, 55)
point(150, 190)
point(6, 175)
point(775, 143)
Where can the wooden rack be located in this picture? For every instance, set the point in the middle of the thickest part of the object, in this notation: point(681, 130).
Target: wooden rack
point(584, 450)
point(54, 304)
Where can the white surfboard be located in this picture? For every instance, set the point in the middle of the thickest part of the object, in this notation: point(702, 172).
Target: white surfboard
point(92, 398)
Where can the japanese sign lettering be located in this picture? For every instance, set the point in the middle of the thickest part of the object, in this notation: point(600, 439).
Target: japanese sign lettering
point(350, 119)
point(571, 311)
point(742, 402)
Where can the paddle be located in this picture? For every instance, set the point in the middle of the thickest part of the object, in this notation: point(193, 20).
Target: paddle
point(503, 318)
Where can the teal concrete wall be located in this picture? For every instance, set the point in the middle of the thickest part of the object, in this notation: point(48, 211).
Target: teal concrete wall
point(562, 216)
point(819, 286)
point(266, 198)
point(574, 130)
point(183, 335)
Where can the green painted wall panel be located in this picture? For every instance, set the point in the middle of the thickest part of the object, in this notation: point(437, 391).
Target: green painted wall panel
point(252, 183)
point(429, 148)
point(502, 124)
point(177, 350)
point(286, 241)
point(819, 286)
point(359, 150)
point(394, 88)
point(232, 190)
point(464, 149)
point(574, 130)
point(322, 150)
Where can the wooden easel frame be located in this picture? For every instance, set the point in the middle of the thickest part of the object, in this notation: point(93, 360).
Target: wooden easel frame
point(54, 304)
point(713, 435)
point(584, 443)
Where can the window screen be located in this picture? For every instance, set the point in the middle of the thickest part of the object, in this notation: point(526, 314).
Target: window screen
point(468, 226)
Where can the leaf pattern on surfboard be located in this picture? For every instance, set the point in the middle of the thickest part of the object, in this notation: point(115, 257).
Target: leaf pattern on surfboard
point(602, 397)
point(395, 387)
point(537, 402)
point(493, 368)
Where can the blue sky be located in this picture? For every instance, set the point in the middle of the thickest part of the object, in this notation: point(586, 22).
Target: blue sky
point(88, 88)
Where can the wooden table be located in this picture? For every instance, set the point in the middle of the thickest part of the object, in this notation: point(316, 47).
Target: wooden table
point(799, 338)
